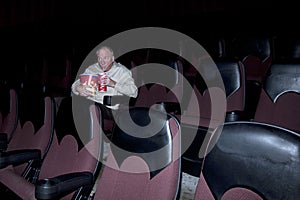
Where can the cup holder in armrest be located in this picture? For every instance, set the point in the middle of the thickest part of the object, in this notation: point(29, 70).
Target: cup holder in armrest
point(47, 182)
point(235, 116)
point(47, 188)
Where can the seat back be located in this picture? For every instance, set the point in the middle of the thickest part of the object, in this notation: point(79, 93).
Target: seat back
point(67, 171)
point(72, 153)
point(210, 105)
point(58, 77)
point(256, 55)
point(215, 46)
point(144, 161)
point(287, 48)
point(160, 80)
point(201, 100)
point(279, 101)
point(8, 111)
point(64, 121)
point(233, 75)
point(35, 126)
point(250, 160)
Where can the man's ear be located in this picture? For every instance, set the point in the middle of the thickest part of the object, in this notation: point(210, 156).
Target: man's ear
point(113, 58)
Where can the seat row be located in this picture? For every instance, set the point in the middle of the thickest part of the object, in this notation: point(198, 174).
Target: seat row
point(191, 96)
point(144, 159)
point(191, 90)
point(201, 104)
point(63, 158)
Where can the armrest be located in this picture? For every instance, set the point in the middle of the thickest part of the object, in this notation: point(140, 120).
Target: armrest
point(3, 142)
point(113, 100)
point(18, 157)
point(59, 186)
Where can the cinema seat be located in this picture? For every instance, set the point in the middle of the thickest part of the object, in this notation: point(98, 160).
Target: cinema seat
point(8, 115)
point(67, 172)
point(279, 100)
point(143, 161)
point(250, 161)
point(32, 136)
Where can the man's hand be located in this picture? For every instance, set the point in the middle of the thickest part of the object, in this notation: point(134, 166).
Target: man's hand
point(85, 91)
point(105, 80)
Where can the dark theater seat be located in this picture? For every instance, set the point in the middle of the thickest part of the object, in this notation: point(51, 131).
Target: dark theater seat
point(279, 101)
point(251, 161)
point(68, 171)
point(143, 161)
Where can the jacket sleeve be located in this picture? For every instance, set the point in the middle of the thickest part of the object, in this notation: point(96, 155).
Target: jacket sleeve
point(126, 85)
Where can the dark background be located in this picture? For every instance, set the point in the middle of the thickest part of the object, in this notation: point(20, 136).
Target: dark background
point(31, 30)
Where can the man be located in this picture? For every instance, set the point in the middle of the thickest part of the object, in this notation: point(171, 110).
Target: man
point(118, 80)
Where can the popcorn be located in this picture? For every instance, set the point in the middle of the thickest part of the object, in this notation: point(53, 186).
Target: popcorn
point(91, 81)
point(92, 90)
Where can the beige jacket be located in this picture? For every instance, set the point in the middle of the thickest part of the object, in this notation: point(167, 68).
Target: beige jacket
point(125, 84)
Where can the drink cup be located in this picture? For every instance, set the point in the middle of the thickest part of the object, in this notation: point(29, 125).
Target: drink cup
point(101, 86)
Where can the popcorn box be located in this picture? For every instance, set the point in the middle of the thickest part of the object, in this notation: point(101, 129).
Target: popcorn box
point(91, 81)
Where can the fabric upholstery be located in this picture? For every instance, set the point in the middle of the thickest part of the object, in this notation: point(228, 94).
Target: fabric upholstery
point(132, 177)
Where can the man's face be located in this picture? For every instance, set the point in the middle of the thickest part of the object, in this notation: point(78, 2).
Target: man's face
point(105, 59)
